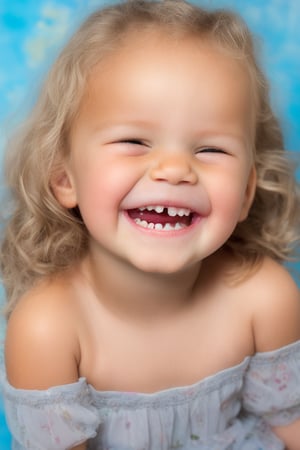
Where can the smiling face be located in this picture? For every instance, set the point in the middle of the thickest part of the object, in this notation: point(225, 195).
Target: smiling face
point(160, 160)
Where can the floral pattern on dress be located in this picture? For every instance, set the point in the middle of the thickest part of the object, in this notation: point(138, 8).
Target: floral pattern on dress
point(231, 410)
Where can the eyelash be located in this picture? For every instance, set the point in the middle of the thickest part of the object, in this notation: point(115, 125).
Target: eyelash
point(132, 141)
point(211, 150)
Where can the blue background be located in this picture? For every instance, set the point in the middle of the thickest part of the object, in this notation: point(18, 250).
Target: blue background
point(33, 31)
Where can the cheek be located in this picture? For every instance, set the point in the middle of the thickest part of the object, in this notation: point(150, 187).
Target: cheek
point(228, 200)
point(104, 186)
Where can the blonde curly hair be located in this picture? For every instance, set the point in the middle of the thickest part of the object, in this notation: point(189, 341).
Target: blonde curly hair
point(41, 237)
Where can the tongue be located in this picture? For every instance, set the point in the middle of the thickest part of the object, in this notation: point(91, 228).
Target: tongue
point(154, 217)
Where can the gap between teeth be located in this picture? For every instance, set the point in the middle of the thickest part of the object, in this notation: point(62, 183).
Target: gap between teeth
point(172, 211)
point(159, 226)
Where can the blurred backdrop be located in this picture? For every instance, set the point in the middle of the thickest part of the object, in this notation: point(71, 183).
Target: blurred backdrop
point(33, 31)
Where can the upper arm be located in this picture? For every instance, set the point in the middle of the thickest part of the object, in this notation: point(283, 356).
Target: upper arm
point(276, 323)
point(290, 435)
point(41, 346)
point(42, 351)
point(276, 312)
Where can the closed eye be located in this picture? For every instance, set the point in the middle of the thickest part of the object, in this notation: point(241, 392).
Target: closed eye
point(130, 146)
point(132, 141)
point(211, 150)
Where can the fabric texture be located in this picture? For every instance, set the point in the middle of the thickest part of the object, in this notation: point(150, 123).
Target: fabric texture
point(231, 410)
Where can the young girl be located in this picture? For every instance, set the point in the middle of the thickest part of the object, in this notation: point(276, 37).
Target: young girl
point(153, 205)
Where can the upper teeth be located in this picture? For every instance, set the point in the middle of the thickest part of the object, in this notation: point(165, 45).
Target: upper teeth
point(172, 211)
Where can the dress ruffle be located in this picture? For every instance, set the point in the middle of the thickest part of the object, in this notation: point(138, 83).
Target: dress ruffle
point(231, 410)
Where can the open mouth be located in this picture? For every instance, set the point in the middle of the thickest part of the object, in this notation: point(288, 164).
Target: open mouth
point(162, 218)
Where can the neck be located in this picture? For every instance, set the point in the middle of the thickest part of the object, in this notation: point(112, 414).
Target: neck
point(128, 291)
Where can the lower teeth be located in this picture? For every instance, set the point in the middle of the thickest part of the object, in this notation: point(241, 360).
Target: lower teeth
point(159, 226)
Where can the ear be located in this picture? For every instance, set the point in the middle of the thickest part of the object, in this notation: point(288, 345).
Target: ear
point(63, 188)
point(249, 195)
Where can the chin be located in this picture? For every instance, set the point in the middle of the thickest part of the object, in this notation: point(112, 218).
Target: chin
point(161, 267)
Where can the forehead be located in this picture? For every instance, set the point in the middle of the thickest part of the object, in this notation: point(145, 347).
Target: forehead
point(148, 66)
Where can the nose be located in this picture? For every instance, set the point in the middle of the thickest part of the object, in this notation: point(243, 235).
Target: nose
point(174, 169)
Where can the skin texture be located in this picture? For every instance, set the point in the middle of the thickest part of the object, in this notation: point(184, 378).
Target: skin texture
point(161, 123)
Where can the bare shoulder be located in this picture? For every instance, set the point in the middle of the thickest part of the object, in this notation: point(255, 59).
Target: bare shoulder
point(275, 306)
point(41, 348)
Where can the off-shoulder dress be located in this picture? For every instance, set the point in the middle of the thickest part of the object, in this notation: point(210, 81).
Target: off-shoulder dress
point(234, 409)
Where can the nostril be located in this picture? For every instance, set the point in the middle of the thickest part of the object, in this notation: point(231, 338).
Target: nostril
point(174, 174)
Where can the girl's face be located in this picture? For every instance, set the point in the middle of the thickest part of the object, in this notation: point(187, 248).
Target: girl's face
point(160, 162)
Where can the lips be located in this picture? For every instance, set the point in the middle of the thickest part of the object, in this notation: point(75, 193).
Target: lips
point(162, 218)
